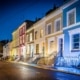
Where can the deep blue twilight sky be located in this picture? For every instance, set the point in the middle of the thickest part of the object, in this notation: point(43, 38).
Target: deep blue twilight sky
point(14, 12)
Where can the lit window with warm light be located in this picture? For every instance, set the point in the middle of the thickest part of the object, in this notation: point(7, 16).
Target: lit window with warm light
point(41, 33)
point(30, 36)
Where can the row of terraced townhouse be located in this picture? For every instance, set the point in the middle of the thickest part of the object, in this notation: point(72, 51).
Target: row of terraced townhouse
point(55, 35)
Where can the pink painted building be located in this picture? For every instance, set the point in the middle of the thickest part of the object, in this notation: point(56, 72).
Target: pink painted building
point(22, 37)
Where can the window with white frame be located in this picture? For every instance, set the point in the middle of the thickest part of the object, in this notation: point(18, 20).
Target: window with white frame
point(71, 17)
point(76, 41)
point(49, 29)
point(57, 25)
point(30, 36)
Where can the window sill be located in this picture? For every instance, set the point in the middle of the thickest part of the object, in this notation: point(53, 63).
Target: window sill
point(70, 24)
point(75, 50)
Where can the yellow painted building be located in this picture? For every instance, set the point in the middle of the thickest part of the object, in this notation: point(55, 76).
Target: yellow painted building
point(11, 49)
point(15, 43)
point(53, 27)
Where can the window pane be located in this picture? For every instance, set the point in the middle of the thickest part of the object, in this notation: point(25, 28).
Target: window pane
point(76, 46)
point(41, 33)
point(71, 18)
point(30, 36)
point(76, 41)
point(58, 25)
point(76, 36)
point(49, 29)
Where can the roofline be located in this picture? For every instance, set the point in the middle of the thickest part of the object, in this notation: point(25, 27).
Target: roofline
point(69, 3)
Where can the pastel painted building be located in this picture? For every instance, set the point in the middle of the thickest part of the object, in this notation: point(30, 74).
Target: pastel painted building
point(53, 29)
point(56, 34)
point(17, 42)
point(39, 38)
point(22, 48)
point(14, 43)
point(71, 31)
point(22, 37)
point(30, 41)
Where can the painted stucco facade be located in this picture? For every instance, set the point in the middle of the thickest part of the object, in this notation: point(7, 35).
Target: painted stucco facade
point(52, 37)
point(71, 32)
point(30, 42)
point(14, 43)
point(39, 38)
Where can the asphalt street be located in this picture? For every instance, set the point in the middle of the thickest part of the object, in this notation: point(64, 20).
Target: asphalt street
point(15, 71)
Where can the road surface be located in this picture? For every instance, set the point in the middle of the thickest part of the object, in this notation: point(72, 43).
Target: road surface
point(15, 71)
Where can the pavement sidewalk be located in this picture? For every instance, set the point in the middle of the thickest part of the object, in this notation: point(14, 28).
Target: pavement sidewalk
point(73, 71)
point(67, 70)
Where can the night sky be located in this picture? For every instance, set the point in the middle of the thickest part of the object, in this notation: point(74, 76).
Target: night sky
point(14, 12)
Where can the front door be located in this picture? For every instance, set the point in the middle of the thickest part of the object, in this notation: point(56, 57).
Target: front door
point(61, 47)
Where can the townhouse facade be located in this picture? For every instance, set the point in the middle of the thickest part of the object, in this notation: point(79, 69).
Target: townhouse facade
point(19, 41)
point(53, 27)
point(71, 31)
point(39, 38)
point(22, 37)
point(30, 42)
point(22, 48)
point(14, 51)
